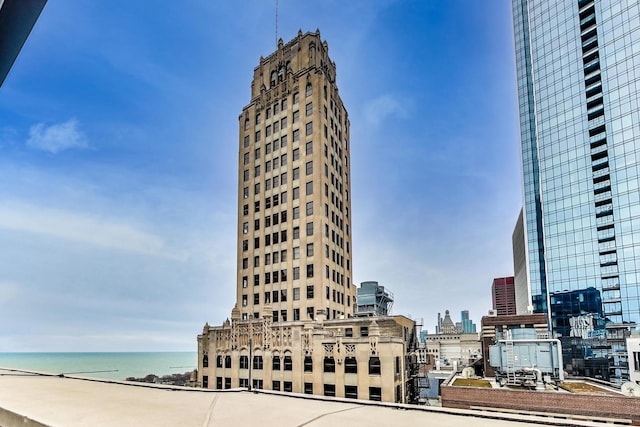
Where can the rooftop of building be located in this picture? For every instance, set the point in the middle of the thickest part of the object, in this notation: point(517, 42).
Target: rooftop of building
point(36, 399)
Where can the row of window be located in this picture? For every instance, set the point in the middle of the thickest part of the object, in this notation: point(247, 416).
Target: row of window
point(350, 391)
point(331, 314)
point(286, 363)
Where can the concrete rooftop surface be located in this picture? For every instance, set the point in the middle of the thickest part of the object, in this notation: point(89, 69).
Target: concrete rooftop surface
point(30, 399)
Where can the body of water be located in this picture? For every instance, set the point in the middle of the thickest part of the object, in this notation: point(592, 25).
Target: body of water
point(104, 365)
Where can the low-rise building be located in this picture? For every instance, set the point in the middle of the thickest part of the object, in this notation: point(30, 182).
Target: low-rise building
point(360, 358)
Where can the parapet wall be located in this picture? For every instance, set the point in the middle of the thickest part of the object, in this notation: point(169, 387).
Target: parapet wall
point(598, 406)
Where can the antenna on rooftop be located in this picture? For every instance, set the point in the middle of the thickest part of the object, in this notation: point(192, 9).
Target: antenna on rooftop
point(276, 23)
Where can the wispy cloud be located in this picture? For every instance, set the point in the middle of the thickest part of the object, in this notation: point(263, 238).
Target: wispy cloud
point(84, 228)
point(384, 106)
point(56, 137)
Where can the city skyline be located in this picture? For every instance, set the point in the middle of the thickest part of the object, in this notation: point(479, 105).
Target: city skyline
point(120, 159)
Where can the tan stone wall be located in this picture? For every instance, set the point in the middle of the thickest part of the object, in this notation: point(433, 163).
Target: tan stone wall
point(315, 339)
point(280, 82)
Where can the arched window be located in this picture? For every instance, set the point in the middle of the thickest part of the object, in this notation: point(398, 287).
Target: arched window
point(274, 76)
point(205, 361)
point(329, 364)
point(227, 362)
point(374, 366)
point(350, 365)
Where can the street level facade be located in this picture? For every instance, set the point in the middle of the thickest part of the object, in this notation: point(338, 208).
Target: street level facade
point(578, 73)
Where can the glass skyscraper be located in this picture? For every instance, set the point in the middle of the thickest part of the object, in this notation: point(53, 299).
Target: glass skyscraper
point(578, 71)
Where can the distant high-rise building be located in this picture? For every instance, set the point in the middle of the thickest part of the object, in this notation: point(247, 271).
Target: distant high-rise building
point(520, 282)
point(294, 187)
point(578, 64)
point(504, 296)
point(467, 325)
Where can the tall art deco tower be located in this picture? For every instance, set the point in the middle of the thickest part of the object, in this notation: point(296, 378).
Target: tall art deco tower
point(578, 69)
point(294, 205)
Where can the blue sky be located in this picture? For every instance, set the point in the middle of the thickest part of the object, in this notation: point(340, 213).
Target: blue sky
point(118, 154)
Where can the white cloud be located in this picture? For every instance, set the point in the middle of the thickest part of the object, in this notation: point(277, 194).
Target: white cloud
point(83, 228)
point(382, 107)
point(57, 137)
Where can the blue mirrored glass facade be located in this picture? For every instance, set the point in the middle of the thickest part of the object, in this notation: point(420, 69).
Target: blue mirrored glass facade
point(578, 71)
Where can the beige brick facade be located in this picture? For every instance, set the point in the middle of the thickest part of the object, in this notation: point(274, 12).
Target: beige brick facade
point(363, 358)
point(294, 198)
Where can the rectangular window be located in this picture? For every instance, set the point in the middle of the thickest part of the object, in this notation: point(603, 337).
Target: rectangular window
point(296, 294)
point(309, 188)
point(246, 141)
point(310, 228)
point(329, 389)
point(275, 363)
point(256, 299)
point(308, 388)
point(309, 109)
point(296, 154)
point(309, 168)
point(257, 384)
point(309, 271)
point(275, 385)
point(288, 386)
point(309, 208)
point(296, 173)
point(296, 273)
point(375, 394)
point(296, 212)
point(257, 136)
point(245, 175)
point(296, 116)
point(283, 315)
point(309, 249)
point(296, 193)
point(296, 135)
point(283, 141)
point(309, 291)
point(244, 362)
point(309, 128)
point(296, 252)
point(351, 391)
point(310, 311)
point(296, 314)
point(309, 148)
point(364, 331)
point(257, 362)
point(283, 178)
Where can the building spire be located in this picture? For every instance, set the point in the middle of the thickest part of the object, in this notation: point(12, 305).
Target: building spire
point(276, 23)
